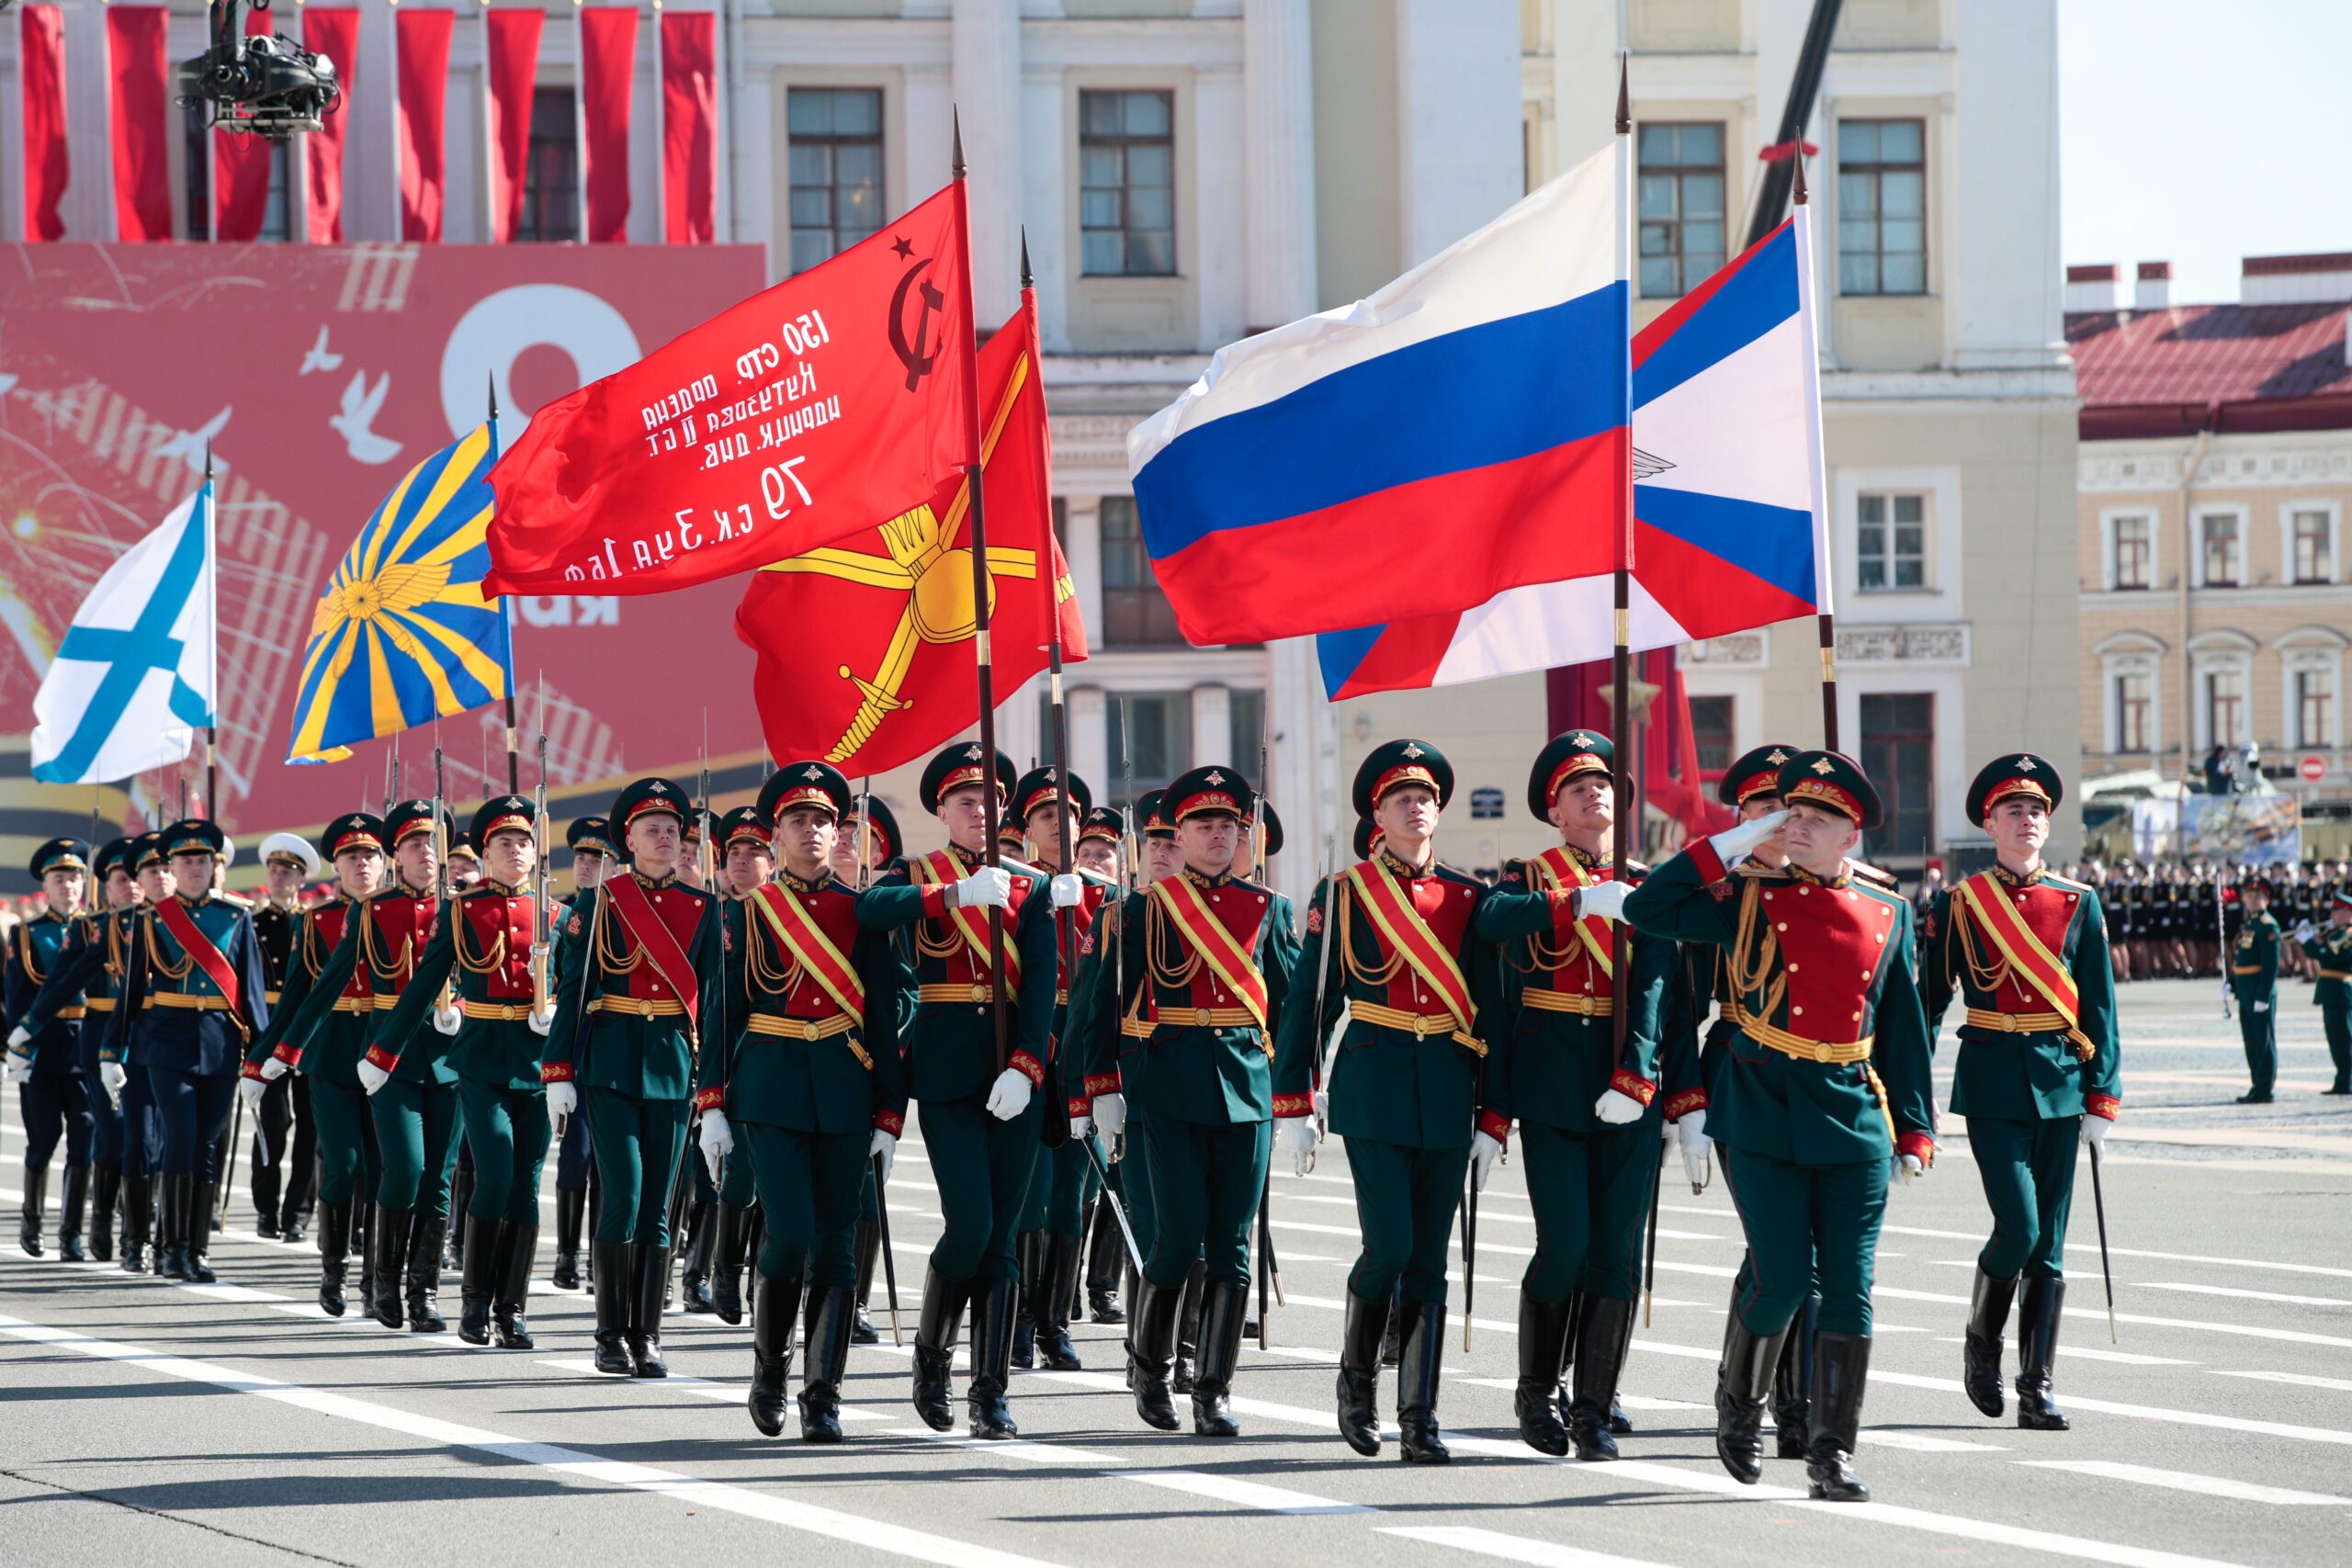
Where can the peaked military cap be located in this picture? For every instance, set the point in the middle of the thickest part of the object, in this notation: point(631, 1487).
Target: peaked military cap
point(802, 783)
point(961, 764)
point(464, 846)
point(410, 818)
point(502, 814)
point(1200, 791)
point(1832, 781)
point(2343, 900)
point(589, 835)
point(1564, 757)
point(293, 850)
point(194, 835)
point(1038, 786)
point(882, 824)
point(1148, 813)
point(743, 824)
point(356, 832)
point(1104, 822)
point(2014, 772)
point(60, 854)
point(148, 850)
point(2260, 880)
point(1367, 837)
point(1756, 772)
point(1273, 827)
point(645, 797)
point(1395, 763)
point(114, 854)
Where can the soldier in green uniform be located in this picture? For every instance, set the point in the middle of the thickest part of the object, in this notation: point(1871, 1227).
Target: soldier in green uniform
point(2024, 952)
point(51, 1093)
point(979, 1117)
point(120, 1075)
point(806, 1089)
point(490, 947)
point(723, 1232)
point(1207, 966)
point(286, 1140)
point(2254, 980)
point(1825, 1096)
point(635, 965)
point(1406, 1090)
point(589, 840)
point(2330, 949)
point(1101, 843)
point(868, 842)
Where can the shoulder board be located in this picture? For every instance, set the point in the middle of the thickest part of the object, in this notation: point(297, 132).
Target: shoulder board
point(1886, 894)
point(2069, 882)
point(1248, 886)
point(235, 901)
point(1865, 873)
point(1455, 873)
point(1760, 871)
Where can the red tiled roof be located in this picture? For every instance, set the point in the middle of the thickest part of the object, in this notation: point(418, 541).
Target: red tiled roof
point(2241, 367)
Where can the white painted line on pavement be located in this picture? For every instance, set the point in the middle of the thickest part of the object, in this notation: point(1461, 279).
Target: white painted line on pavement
point(2091, 1313)
point(882, 1535)
point(2091, 1353)
point(1919, 1442)
point(2301, 1379)
point(2178, 1481)
point(2146, 1412)
point(1247, 1493)
point(1509, 1548)
point(2244, 1295)
point(1007, 1448)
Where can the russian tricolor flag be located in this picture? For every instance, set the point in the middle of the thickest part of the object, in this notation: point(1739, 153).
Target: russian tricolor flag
point(1727, 503)
point(1461, 432)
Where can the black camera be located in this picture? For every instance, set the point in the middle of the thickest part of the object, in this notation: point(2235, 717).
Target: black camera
point(265, 84)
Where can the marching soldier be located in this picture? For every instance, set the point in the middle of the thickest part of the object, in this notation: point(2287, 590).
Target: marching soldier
point(2254, 979)
point(121, 1077)
point(286, 1140)
point(2330, 950)
point(324, 1042)
point(1821, 966)
point(1405, 1090)
point(2025, 953)
point(1101, 841)
point(491, 947)
point(868, 843)
point(624, 1040)
point(588, 838)
point(979, 1120)
point(723, 1224)
point(805, 1088)
point(47, 1068)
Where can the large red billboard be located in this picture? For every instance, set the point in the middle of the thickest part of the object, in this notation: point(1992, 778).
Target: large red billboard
point(318, 375)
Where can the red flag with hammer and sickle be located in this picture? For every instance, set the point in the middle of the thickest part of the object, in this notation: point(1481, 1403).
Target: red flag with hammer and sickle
point(782, 424)
point(865, 653)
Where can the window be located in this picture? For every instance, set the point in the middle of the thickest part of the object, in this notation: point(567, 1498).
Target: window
point(2131, 713)
point(1890, 541)
point(277, 223)
point(1682, 206)
point(1710, 728)
point(1134, 609)
point(2225, 707)
point(1898, 754)
point(836, 135)
point(2219, 532)
point(1126, 184)
point(2310, 532)
point(2134, 551)
point(277, 218)
point(1881, 207)
point(551, 170)
point(1248, 729)
point(1153, 731)
point(2314, 708)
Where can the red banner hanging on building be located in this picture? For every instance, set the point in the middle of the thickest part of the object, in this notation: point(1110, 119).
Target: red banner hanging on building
point(689, 126)
point(514, 77)
point(48, 166)
point(607, 63)
point(139, 74)
point(333, 31)
point(241, 169)
point(424, 39)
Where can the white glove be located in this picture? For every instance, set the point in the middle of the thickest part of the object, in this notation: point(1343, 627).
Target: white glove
point(250, 1091)
point(1081, 1127)
point(1606, 900)
point(1297, 1137)
point(1735, 845)
point(1110, 1114)
point(112, 1078)
point(2260, 1006)
point(447, 1021)
point(885, 1147)
point(272, 1069)
point(20, 1067)
point(371, 1077)
point(1908, 1167)
point(563, 1099)
point(540, 1022)
point(1618, 1108)
point(988, 886)
point(1322, 1101)
point(717, 1140)
point(2095, 1131)
point(1483, 1150)
point(1690, 1132)
point(1067, 891)
point(19, 1037)
point(1008, 1096)
point(2304, 929)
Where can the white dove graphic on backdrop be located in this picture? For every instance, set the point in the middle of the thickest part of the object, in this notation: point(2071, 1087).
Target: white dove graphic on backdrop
point(318, 359)
point(360, 403)
point(189, 445)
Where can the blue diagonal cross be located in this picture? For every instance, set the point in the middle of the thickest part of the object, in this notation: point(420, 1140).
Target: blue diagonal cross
point(130, 652)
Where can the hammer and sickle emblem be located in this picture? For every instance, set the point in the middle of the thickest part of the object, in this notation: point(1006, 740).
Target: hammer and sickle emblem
point(920, 356)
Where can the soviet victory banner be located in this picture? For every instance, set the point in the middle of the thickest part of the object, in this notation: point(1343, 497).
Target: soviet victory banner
point(865, 648)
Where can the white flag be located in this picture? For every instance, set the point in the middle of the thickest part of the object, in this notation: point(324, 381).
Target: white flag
point(135, 678)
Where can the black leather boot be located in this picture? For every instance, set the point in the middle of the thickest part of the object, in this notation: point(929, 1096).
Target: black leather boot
point(1792, 1377)
point(1187, 1330)
point(1543, 1351)
point(775, 1309)
point(264, 1188)
point(1980, 1353)
point(388, 1246)
point(171, 1225)
point(2038, 1318)
point(569, 1208)
point(423, 1276)
point(477, 1283)
point(1029, 1257)
point(614, 1283)
point(105, 1187)
point(866, 1241)
point(1601, 1359)
point(1360, 1339)
point(730, 1242)
point(335, 1241)
point(517, 1249)
point(1392, 1343)
point(458, 1232)
point(1742, 1379)
point(138, 1223)
point(936, 1331)
point(1051, 1307)
point(1106, 1254)
point(820, 1383)
point(653, 1279)
point(203, 1203)
point(984, 1393)
point(1223, 1307)
point(73, 1204)
point(1418, 1362)
point(363, 1247)
point(33, 1216)
point(1151, 1345)
point(1841, 1364)
point(693, 1284)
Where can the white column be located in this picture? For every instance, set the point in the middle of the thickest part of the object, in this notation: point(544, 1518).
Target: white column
point(1044, 173)
point(1082, 547)
point(1090, 740)
point(87, 207)
point(930, 101)
point(1020, 732)
point(1306, 765)
point(986, 52)
point(1219, 210)
point(1278, 119)
point(1457, 119)
point(1212, 726)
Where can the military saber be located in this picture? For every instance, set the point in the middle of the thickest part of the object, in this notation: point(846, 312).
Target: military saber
point(2106, 1269)
point(889, 1264)
point(228, 1177)
point(1118, 1211)
point(1469, 1251)
point(1649, 1263)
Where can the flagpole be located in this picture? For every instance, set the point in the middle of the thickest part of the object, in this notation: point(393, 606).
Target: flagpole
point(1825, 578)
point(982, 652)
point(513, 757)
point(1065, 920)
point(1621, 840)
point(212, 631)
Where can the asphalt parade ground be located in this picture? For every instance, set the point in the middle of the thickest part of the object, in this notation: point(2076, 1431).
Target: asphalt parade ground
point(141, 1421)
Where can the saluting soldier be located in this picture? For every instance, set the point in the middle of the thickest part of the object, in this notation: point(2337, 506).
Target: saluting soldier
point(488, 951)
point(724, 1223)
point(46, 1067)
point(806, 1089)
point(589, 838)
point(868, 842)
point(286, 1139)
point(2329, 948)
point(194, 984)
point(1406, 1088)
point(979, 1117)
point(1207, 967)
point(2254, 979)
point(634, 966)
point(2024, 952)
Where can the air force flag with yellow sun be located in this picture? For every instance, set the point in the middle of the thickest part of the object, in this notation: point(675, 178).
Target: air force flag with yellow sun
point(403, 632)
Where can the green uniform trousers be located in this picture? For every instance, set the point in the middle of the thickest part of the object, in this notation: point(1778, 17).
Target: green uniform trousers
point(508, 1131)
point(982, 1168)
point(2260, 1032)
point(1207, 1180)
point(348, 1162)
point(1591, 1196)
point(637, 1144)
point(2028, 1168)
point(736, 1186)
point(1806, 1222)
point(1405, 1200)
point(416, 1131)
point(810, 1185)
point(1134, 1183)
point(2337, 1020)
point(1059, 1190)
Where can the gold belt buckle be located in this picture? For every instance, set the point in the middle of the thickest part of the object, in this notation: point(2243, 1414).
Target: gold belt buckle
point(1420, 1028)
point(645, 1007)
point(2008, 1024)
point(1201, 1017)
point(1821, 1051)
point(980, 993)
